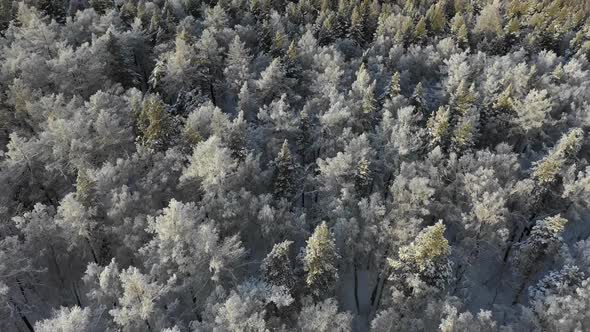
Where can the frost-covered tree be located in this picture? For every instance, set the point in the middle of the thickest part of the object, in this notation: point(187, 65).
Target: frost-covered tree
point(559, 300)
point(466, 321)
point(167, 165)
point(137, 305)
point(320, 261)
point(236, 71)
point(425, 259)
point(284, 178)
point(183, 240)
point(211, 163)
point(67, 320)
point(548, 169)
point(544, 241)
point(153, 122)
point(324, 316)
point(272, 82)
point(277, 267)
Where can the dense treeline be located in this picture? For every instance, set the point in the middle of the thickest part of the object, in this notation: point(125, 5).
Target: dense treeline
point(316, 165)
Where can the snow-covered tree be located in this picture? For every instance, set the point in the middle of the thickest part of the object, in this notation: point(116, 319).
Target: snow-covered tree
point(67, 320)
point(320, 261)
point(324, 316)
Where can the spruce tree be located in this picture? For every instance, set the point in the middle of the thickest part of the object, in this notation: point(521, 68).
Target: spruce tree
point(394, 85)
point(101, 6)
point(284, 177)
point(154, 123)
point(426, 258)
point(277, 268)
point(357, 26)
point(320, 262)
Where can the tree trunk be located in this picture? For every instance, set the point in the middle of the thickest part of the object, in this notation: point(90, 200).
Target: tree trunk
point(356, 289)
point(76, 295)
point(27, 323)
point(92, 250)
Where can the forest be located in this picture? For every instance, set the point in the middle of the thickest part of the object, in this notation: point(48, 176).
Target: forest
point(294, 165)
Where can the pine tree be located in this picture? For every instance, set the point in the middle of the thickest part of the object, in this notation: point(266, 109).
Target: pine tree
point(394, 85)
point(277, 268)
point(327, 33)
point(128, 11)
point(320, 261)
point(284, 177)
point(439, 126)
point(544, 241)
point(465, 132)
point(66, 320)
point(5, 14)
point(357, 26)
point(117, 65)
point(463, 98)
point(547, 170)
point(304, 135)
point(323, 317)
point(369, 23)
point(427, 258)
point(292, 61)
point(459, 29)
point(272, 82)
point(277, 48)
point(420, 31)
point(138, 302)
point(55, 9)
point(436, 17)
point(489, 21)
point(560, 300)
point(237, 69)
point(343, 17)
point(85, 188)
point(505, 100)
point(101, 6)
point(418, 97)
point(363, 177)
point(364, 89)
point(153, 123)
point(533, 110)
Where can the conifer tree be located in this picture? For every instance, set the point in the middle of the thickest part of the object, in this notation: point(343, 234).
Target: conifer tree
point(427, 258)
point(304, 134)
point(277, 48)
point(357, 26)
point(459, 29)
point(320, 262)
point(364, 89)
point(284, 177)
point(544, 241)
point(153, 123)
point(5, 14)
point(101, 6)
point(272, 82)
point(439, 126)
point(343, 18)
point(237, 69)
point(277, 268)
point(66, 320)
point(128, 11)
point(55, 9)
point(394, 85)
point(363, 177)
point(436, 17)
point(547, 170)
point(418, 99)
point(85, 188)
point(420, 30)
